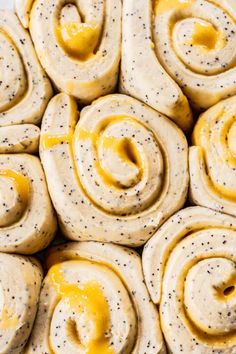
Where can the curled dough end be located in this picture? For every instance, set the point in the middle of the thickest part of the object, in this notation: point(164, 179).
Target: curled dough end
point(95, 271)
point(189, 268)
point(21, 279)
point(142, 75)
point(24, 88)
point(27, 220)
point(23, 8)
point(22, 138)
point(212, 160)
point(118, 173)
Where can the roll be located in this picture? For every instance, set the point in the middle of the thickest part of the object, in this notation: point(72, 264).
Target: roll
point(118, 173)
point(24, 87)
point(20, 282)
point(195, 43)
point(83, 38)
point(212, 159)
point(189, 267)
point(142, 75)
point(94, 300)
point(27, 220)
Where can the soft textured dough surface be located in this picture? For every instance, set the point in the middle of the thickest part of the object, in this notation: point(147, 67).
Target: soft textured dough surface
point(24, 88)
point(27, 220)
point(189, 268)
point(212, 159)
point(133, 319)
point(195, 43)
point(178, 49)
point(118, 173)
point(20, 283)
point(83, 38)
point(21, 138)
point(142, 75)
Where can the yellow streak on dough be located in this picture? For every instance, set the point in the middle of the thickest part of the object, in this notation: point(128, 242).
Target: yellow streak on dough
point(88, 299)
point(123, 147)
point(162, 6)
point(8, 319)
point(207, 36)
point(78, 39)
point(232, 140)
point(21, 183)
point(49, 141)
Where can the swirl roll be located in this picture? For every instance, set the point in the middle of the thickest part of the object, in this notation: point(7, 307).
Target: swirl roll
point(212, 159)
point(195, 42)
point(82, 37)
point(27, 220)
point(142, 75)
point(94, 300)
point(24, 88)
point(20, 283)
point(189, 267)
point(117, 174)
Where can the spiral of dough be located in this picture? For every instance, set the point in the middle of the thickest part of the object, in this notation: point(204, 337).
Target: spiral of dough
point(94, 300)
point(24, 88)
point(27, 220)
point(142, 75)
point(195, 43)
point(77, 42)
point(189, 267)
point(20, 283)
point(212, 159)
point(117, 174)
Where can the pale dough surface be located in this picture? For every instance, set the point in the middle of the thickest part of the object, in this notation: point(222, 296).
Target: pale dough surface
point(6, 4)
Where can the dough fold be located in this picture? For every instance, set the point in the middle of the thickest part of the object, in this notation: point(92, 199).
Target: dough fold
point(212, 159)
point(20, 283)
point(27, 220)
point(142, 74)
point(24, 88)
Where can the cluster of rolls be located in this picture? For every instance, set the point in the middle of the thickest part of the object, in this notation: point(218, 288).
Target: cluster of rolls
point(118, 130)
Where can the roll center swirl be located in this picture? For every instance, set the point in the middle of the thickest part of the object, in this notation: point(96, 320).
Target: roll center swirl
point(14, 191)
point(119, 163)
point(78, 34)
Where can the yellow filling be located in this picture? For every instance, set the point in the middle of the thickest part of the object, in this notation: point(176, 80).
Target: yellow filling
point(8, 319)
point(49, 141)
point(21, 183)
point(88, 299)
point(232, 140)
point(193, 328)
point(207, 36)
point(79, 39)
point(162, 6)
point(123, 147)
